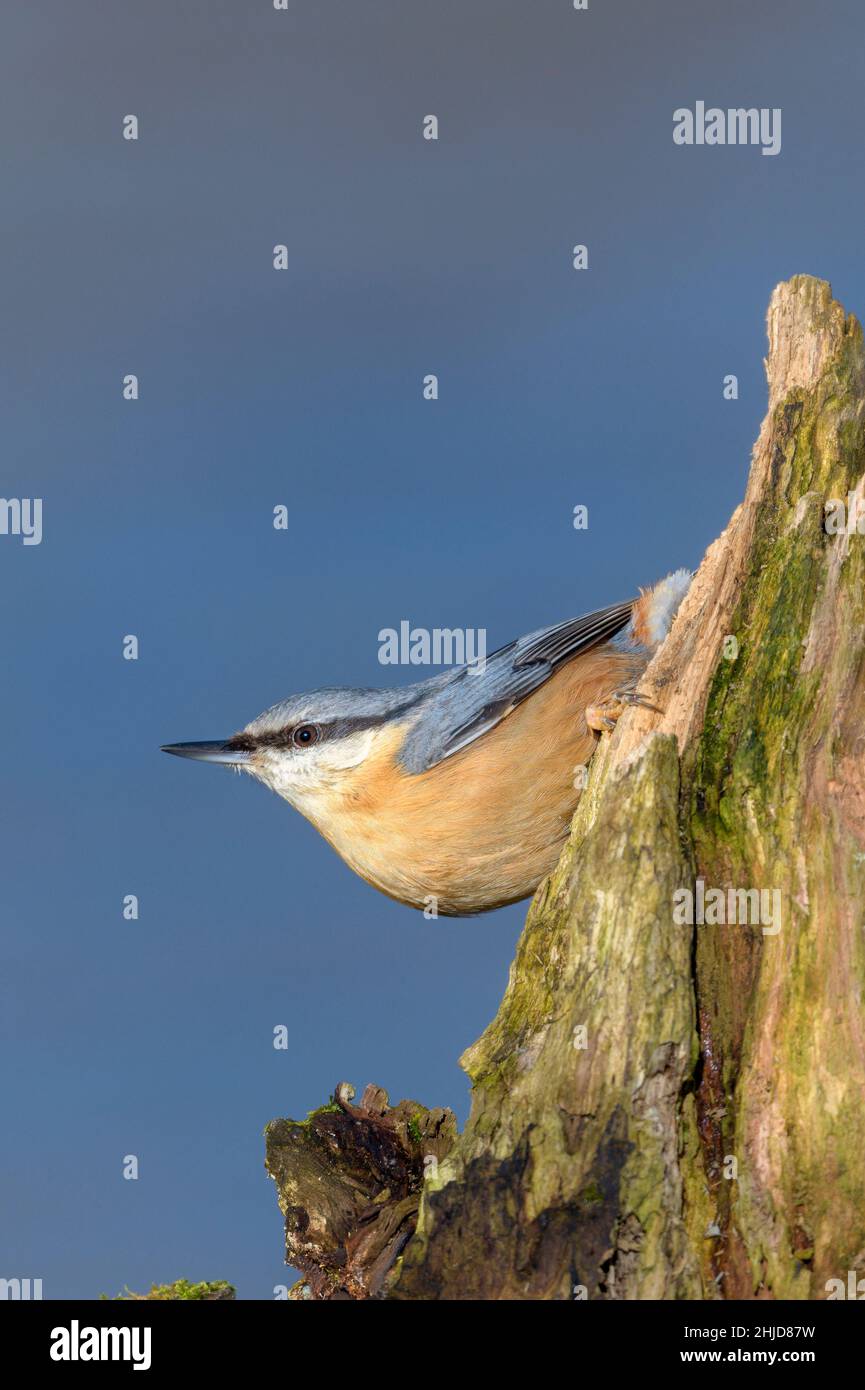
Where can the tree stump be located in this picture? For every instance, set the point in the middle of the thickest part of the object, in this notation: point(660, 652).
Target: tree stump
point(663, 1107)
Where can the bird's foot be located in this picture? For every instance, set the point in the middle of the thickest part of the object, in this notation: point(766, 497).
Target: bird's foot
point(605, 715)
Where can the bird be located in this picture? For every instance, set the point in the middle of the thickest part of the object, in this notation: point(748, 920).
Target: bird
point(455, 794)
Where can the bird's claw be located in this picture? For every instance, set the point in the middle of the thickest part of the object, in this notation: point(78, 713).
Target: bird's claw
point(630, 695)
point(605, 716)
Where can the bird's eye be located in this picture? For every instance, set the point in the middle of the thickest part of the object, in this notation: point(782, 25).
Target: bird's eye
point(304, 735)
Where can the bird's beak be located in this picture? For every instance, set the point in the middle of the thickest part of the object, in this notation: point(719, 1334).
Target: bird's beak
point(215, 752)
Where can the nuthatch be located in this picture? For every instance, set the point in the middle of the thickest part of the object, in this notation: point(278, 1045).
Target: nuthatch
point(458, 791)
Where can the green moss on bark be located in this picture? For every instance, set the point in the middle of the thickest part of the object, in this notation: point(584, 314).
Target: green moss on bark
point(768, 782)
point(569, 1163)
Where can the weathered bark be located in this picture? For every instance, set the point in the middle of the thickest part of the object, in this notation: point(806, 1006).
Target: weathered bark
point(349, 1182)
point(663, 1110)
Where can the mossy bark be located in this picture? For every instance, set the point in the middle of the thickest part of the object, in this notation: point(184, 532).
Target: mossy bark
point(667, 1109)
point(569, 1167)
point(776, 797)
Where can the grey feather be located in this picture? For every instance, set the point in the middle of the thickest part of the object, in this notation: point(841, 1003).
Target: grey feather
point(465, 705)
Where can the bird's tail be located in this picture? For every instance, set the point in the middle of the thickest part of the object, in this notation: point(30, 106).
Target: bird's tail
point(653, 613)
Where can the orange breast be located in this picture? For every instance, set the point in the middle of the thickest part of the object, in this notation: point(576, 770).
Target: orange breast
point(482, 828)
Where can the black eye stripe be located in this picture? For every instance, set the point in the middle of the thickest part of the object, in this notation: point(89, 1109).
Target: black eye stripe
point(242, 743)
point(284, 737)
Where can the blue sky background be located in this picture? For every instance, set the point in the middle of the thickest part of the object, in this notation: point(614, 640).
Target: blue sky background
point(601, 387)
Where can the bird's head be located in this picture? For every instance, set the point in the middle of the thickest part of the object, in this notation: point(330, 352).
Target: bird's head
point(310, 748)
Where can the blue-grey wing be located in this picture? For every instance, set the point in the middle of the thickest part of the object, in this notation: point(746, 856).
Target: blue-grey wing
point(466, 704)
